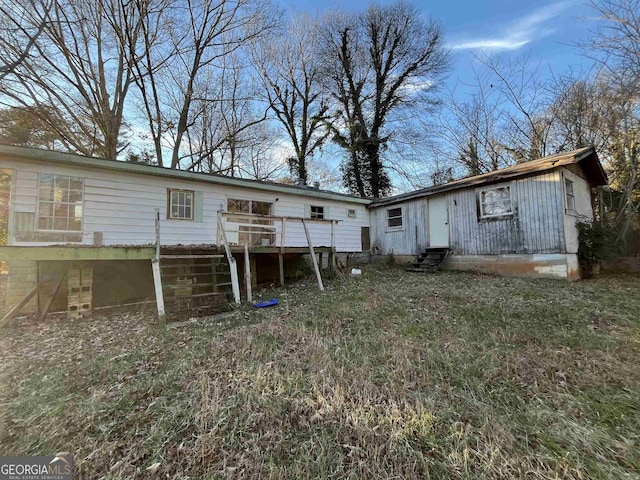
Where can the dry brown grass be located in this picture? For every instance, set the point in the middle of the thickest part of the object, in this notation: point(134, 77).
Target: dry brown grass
point(389, 375)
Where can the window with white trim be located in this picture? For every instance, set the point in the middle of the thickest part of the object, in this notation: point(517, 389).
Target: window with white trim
point(316, 213)
point(569, 195)
point(181, 204)
point(495, 202)
point(394, 217)
point(60, 203)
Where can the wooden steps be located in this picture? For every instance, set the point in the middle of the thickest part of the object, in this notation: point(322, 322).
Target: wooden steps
point(429, 260)
point(194, 279)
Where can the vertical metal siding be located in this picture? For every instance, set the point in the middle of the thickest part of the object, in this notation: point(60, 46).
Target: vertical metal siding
point(536, 225)
point(413, 236)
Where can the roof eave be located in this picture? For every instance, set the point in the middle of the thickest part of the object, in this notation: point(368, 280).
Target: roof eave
point(115, 165)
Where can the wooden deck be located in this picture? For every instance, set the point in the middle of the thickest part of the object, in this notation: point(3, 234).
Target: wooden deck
point(64, 252)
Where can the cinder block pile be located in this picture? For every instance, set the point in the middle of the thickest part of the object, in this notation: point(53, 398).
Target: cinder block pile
point(80, 285)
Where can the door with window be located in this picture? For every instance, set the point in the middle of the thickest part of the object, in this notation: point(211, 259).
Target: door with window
point(438, 221)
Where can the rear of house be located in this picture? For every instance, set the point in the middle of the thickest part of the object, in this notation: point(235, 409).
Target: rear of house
point(518, 221)
point(110, 216)
point(104, 212)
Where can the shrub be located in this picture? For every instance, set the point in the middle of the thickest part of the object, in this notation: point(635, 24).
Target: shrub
point(594, 242)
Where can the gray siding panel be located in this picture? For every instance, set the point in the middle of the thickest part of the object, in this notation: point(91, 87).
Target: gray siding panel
point(413, 236)
point(535, 227)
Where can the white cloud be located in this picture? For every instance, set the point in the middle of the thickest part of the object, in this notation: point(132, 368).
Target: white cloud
point(522, 31)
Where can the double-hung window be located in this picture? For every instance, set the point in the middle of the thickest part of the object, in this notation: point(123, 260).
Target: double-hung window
point(181, 204)
point(60, 203)
point(394, 218)
point(569, 195)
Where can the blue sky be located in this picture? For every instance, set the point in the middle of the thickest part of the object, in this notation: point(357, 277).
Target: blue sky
point(547, 30)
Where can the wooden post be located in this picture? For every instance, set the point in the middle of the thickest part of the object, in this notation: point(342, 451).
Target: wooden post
point(157, 233)
point(157, 278)
point(157, 282)
point(233, 266)
point(247, 272)
point(283, 235)
point(332, 255)
point(53, 291)
point(281, 265)
point(283, 239)
point(313, 256)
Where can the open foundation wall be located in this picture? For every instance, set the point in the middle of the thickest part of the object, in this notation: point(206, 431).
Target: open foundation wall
point(555, 265)
point(85, 284)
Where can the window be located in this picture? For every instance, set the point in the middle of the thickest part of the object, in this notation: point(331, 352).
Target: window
point(351, 213)
point(317, 213)
point(570, 196)
point(238, 206)
point(181, 204)
point(248, 206)
point(60, 203)
point(260, 208)
point(495, 202)
point(394, 217)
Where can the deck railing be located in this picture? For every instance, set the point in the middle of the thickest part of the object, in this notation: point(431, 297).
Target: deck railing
point(275, 231)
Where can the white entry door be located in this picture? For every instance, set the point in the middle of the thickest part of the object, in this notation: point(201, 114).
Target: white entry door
point(438, 222)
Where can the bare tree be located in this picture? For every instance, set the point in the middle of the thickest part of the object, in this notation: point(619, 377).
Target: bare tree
point(376, 63)
point(290, 70)
point(21, 24)
point(173, 75)
point(616, 45)
point(225, 118)
point(473, 128)
point(79, 72)
point(528, 106)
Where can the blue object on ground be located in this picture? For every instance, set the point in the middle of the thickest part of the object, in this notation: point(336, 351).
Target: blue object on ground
point(266, 303)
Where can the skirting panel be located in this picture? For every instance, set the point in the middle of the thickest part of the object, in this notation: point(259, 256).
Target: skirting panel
point(554, 265)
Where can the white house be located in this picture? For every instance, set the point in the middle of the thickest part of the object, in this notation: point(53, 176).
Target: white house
point(90, 210)
point(68, 212)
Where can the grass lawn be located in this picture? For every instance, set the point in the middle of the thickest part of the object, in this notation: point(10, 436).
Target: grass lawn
point(386, 375)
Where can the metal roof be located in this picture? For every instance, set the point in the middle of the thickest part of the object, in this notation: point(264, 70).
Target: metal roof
point(54, 157)
point(586, 158)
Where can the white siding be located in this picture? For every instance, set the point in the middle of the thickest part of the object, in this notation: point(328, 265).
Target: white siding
point(26, 196)
point(121, 206)
point(583, 208)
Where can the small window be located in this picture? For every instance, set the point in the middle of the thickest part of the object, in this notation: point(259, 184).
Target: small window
point(495, 202)
point(181, 204)
point(317, 213)
point(394, 217)
point(570, 196)
point(351, 213)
